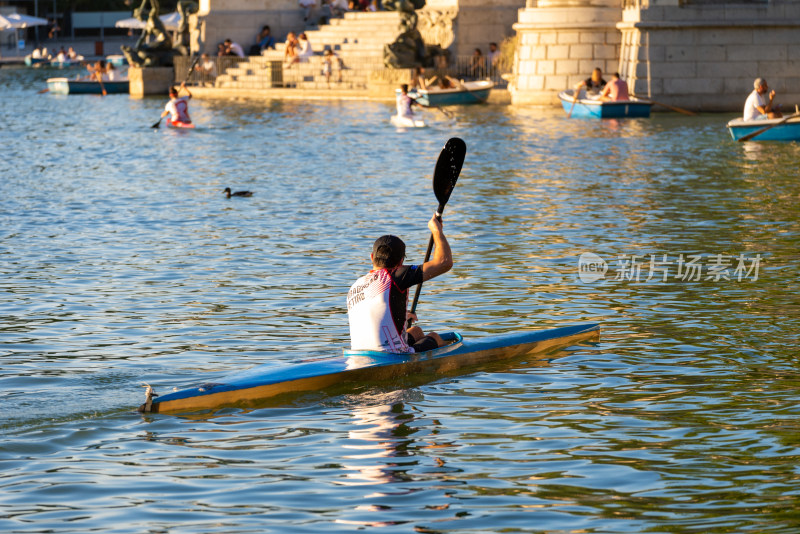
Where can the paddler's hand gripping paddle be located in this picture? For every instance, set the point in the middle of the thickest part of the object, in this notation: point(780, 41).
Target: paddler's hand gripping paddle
point(445, 176)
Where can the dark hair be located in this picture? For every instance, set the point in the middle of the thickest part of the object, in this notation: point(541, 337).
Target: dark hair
point(404, 87)
point(388, 251)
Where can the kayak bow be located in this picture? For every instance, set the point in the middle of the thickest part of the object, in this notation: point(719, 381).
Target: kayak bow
point(270, 380)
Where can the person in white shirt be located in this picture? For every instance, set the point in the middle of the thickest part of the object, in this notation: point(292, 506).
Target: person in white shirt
point(377, 302)
point(760, 105)
point(304, 50)
point(234, 49)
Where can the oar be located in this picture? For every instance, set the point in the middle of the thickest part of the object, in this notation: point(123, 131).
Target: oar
point(100, 79)
point(445, 175)
point(673, 108)
point(42, 91)
point(188, 73)
point(577, 92)
point(442, 111)
point(762, 130)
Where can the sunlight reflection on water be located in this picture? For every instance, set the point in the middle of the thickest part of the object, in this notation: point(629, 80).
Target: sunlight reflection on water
point(122, 262)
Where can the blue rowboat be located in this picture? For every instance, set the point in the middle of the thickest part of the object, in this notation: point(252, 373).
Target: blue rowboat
point(788, 131)
point(269, 380)
point(36, 61)
point(65, 86)
point(589, 108)
point(466, 93)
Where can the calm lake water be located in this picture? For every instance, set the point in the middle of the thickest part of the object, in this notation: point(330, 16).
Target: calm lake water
point(121, 262)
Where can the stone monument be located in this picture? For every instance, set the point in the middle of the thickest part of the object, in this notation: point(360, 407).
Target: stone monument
point(151, 59)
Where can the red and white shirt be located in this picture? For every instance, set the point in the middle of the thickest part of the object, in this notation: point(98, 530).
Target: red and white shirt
point(376, 308)
point(179, 109)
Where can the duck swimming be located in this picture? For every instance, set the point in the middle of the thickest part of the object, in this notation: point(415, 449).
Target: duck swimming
point(237, 193)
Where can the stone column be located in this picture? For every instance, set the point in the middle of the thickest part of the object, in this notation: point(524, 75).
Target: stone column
point(559, 42)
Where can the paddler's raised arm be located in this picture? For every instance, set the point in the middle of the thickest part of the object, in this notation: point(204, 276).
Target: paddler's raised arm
point(442, 260)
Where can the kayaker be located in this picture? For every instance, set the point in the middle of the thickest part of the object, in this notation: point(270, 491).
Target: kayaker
point(404, 102)
point(178, 106)
point(377, 303)
point(759, 104)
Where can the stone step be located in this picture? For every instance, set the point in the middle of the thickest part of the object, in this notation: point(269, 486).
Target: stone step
point(358, 39)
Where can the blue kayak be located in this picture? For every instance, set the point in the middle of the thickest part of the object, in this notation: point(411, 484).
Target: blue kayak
point(269, 380)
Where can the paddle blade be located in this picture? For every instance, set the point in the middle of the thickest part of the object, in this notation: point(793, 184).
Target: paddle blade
point(448, 167)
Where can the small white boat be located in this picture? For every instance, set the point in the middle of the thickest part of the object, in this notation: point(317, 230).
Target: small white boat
point(402, 121)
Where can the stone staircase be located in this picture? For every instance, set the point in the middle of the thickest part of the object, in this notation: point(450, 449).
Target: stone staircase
point(358, 39)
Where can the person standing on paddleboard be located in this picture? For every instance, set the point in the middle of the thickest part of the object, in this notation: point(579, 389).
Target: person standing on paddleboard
point(377, 302)
point(178, 106)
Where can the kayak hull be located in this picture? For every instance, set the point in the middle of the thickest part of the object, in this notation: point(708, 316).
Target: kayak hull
point(267, 381)
point(401, 121)
point(179, 124)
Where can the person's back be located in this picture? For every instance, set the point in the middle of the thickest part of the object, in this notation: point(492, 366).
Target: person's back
point(377, 301)
point(404, 102)
point(616, 90)
point(178, 106)
point(619, 90)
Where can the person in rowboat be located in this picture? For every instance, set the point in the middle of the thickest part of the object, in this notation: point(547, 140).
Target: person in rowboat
point(759, 104)
point(615, 91)
point(178, 106)
point(377, 302)
point(593, 84)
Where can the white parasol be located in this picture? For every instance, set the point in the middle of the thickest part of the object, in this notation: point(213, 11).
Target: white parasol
point(18, 22)
point(170, 22)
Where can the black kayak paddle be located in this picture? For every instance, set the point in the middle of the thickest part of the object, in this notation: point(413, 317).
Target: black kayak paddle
point(445, 175)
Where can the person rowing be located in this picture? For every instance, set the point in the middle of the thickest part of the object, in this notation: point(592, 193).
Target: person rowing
point(759, 104)
point(178, 106)
point(377, 302)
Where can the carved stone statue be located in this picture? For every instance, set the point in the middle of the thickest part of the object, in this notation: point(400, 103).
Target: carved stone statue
point(408, 50)
point(183, 34)
point(155, 47)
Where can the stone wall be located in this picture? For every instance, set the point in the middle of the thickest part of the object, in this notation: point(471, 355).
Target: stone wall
point(241, 20)
point(697, 54)
point(705, 56)
point(460, 25)
point(559, 43)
